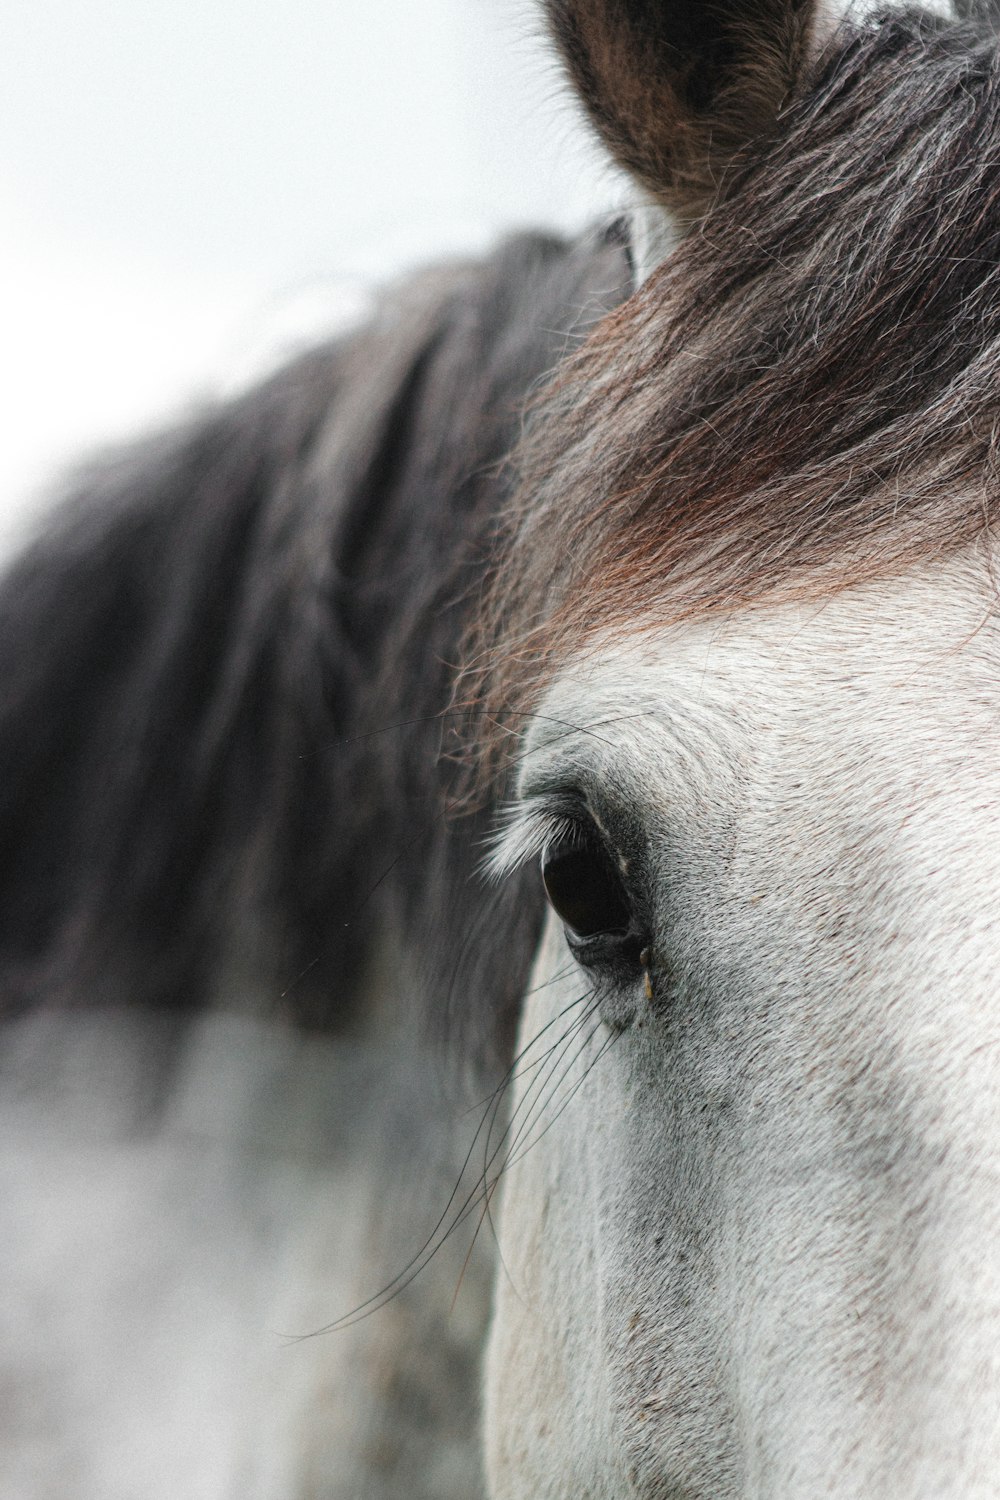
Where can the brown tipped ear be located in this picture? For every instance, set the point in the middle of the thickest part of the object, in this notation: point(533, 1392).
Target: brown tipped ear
point(678, 87)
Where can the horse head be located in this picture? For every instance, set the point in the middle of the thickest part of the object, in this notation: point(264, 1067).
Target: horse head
point(750, 1230)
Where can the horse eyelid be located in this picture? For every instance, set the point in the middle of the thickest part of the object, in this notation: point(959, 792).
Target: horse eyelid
point(524, 834)
point(528, 827)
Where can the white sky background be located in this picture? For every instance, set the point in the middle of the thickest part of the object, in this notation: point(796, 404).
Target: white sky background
point(186, 186)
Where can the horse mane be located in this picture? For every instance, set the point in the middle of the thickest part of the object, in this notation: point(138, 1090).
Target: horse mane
point(230, 660)
point(227, 656)
point(804, 397)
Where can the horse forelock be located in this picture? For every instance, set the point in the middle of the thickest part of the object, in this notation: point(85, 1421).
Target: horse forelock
point(802, 398)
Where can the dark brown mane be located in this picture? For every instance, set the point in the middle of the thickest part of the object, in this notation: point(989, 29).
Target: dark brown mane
point(805, 397)
point(227, 659)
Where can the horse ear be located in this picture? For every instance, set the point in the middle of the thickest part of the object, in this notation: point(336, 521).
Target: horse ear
point(677, 87)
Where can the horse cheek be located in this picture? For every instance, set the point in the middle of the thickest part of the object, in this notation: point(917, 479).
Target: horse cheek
point(548, 1431)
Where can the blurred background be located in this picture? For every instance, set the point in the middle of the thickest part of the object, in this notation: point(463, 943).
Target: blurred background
point(188, 191)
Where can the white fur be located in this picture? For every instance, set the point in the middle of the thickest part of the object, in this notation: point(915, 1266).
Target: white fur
point(834, 13)
point(757, 1256)
point(655, 235)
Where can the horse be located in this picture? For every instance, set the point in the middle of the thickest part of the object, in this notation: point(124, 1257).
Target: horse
point(573, 688)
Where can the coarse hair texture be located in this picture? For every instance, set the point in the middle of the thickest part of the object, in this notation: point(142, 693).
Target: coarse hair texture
point(677, 89)
point(803, 398)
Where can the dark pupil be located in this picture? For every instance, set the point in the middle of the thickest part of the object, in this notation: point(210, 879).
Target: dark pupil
point(584, 890)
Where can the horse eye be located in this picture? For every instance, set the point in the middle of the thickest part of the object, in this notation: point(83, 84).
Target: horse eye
point(584, 890)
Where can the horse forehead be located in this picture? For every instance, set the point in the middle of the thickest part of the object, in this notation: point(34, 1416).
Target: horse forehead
point(901, 676)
